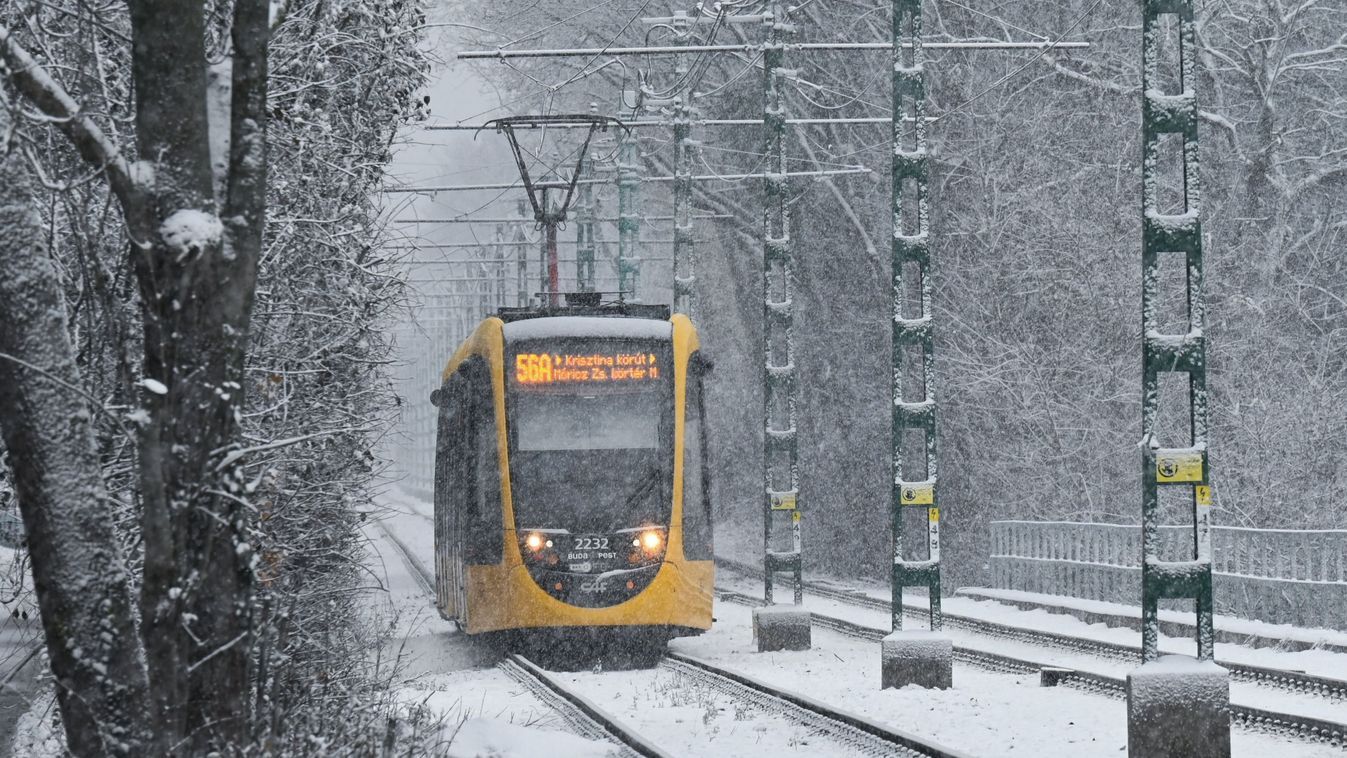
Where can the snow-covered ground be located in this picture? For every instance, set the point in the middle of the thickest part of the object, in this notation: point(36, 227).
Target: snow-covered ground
point(1244, 693)
point(986, 714)
point(1316, 661)
point(1296, 636)
point(445, 671)
point(687, 717)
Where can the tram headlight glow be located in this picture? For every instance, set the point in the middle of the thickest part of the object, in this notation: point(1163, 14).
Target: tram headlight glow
point(651, 540)
point(534, 542)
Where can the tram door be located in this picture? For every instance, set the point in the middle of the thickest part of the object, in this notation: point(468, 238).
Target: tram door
point(469, 516)
point(697, 531)
point(448, 460)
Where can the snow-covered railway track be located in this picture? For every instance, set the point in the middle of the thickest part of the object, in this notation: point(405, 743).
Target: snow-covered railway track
point(1274, 722)
point(866, 736)
point(423, 577)
point(648, 708)
point(1283, 679)
point(587, 719)
point(579, 712)
point(582, 716)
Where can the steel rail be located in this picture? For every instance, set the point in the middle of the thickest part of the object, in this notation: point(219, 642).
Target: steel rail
point(584, 716)
point(1283, 679)
point(418, 571)
point(870, 736)
point(1276, 722)
point(501, 53)
point(590, 720)
point(573, 717)
point(611, 726)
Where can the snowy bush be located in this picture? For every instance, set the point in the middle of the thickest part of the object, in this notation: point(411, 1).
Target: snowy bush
point(313, 396)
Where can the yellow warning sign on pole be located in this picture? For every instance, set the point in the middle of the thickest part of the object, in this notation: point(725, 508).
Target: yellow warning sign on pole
point(1202, 494)
point(933, 515)
point(917, 494)
point(1176, 467)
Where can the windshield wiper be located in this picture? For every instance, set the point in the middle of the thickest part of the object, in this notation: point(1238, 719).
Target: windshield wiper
point(643, 486)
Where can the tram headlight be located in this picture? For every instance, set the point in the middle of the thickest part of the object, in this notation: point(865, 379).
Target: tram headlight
point(651, 541)
point(647, 545)
point(534, 542)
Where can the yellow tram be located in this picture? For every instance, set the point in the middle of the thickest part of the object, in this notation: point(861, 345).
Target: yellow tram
point(571, 488)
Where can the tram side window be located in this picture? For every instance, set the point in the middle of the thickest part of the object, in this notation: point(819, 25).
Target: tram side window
point(696, 484)
point(445, 447)
point(479, 468)
point(457, 459)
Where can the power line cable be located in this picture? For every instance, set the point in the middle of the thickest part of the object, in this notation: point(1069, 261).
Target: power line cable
point(797, 159)
point(752, 65)
point(1049, 48)
point(855, 96)
point(612, 41)
point(555, 24)
point(996, 19)
point(493, 109)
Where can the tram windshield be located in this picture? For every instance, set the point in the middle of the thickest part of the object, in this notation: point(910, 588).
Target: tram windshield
point(590, 423)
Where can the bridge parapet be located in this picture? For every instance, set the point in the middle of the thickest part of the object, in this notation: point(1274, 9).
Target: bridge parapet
point(1283, 576)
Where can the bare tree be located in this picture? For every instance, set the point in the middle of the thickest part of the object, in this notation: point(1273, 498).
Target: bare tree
point(195, 256)
point(81, 578)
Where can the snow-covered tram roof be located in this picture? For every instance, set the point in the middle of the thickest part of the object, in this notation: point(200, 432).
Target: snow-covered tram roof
point(553, 327)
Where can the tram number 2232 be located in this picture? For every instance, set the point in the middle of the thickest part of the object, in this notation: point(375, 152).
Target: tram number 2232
point(533, 368)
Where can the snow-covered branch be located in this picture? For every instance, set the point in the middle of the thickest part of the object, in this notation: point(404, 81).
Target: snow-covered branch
point(38, 86)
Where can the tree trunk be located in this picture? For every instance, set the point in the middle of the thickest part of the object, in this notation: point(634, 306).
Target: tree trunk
point(47, 424)
point(197, 269)
point(195, 257)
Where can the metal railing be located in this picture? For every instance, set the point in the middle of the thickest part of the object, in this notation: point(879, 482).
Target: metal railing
point(1286, 576)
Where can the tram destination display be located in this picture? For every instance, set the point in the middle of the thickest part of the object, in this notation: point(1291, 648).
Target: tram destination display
point(589, 367)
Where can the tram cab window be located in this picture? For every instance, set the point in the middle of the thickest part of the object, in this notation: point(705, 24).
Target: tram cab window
point(468, 474)
point(591, 441)
point(696, 483)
